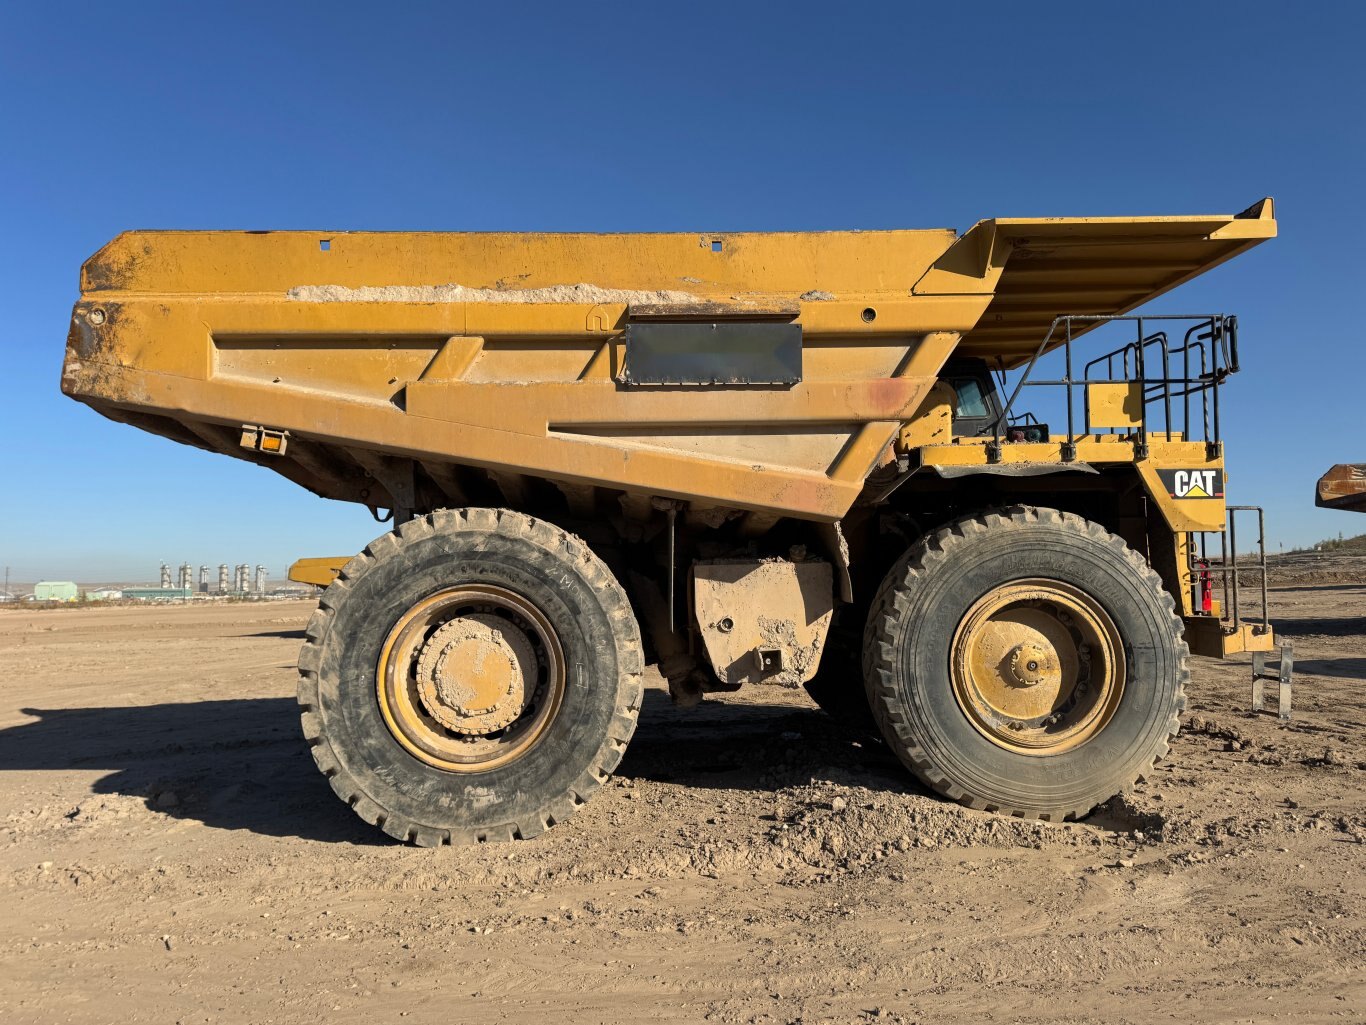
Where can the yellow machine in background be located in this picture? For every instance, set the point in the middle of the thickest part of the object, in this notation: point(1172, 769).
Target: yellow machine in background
point(751, 458)
point(1342, 487)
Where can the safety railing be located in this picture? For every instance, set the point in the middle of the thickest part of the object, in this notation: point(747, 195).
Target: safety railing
point(1179, 380)
point(1229, 568)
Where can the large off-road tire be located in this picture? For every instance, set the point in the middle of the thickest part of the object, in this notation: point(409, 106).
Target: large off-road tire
point(1025, 661)
point(473, 675)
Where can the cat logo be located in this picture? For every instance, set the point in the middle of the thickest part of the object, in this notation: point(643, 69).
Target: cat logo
point(1193, 483)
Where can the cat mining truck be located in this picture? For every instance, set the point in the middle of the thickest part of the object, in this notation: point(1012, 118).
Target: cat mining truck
point(898, 468)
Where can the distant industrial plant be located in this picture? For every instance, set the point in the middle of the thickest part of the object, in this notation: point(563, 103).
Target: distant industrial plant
point(240, 583)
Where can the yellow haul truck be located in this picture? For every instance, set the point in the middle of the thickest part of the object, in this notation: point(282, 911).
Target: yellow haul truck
point(749, 458)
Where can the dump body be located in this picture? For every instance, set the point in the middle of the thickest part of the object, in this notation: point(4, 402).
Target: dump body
point(1343, 487)
point(412, 370)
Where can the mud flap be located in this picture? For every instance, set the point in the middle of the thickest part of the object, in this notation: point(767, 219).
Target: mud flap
point(763, 621)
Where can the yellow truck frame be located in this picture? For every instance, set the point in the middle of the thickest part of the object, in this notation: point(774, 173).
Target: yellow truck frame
point(737, 453)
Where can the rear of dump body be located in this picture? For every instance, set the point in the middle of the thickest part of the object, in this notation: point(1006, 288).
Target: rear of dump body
point(387, 368)
point(1343, 487)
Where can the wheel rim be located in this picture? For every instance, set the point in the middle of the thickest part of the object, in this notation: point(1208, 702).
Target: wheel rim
point(470, 678)
point(1038, 666)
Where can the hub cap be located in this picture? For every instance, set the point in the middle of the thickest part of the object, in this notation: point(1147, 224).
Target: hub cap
point(474, 672)
point(470, 677)
point(1037, 666)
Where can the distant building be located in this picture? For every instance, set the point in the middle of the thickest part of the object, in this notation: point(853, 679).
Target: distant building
point(104, 594)
point(157, 593)
point(55, 590)
point(295, 591)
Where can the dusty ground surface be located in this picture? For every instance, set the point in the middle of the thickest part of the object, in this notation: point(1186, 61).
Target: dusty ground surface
point(169, 853)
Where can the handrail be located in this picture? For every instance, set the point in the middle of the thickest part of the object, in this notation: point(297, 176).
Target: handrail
point(1213, 337)
point(1228, 569)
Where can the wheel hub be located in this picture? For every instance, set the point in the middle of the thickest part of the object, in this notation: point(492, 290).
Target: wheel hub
point(1037, 666)
point(474, 673)
point(1031, 664)
point(470, 678)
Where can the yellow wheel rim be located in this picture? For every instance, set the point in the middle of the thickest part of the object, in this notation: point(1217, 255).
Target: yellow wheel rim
point(1037, 666)
point(470, 678)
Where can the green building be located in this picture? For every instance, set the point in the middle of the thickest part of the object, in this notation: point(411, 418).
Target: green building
point(157, 593)
point(55, 590)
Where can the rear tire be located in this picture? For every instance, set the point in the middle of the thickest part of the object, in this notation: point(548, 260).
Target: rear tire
point(1025, 661)
point(470, 595)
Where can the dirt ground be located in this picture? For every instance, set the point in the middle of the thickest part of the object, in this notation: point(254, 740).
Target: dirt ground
point(169, 853)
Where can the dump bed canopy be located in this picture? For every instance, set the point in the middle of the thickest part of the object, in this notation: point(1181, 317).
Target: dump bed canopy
point(1043, 267)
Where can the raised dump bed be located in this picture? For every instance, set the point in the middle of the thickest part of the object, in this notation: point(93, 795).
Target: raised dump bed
point(746, 443)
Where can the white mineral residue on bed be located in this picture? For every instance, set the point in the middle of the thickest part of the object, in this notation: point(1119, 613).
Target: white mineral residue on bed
point(581, 293)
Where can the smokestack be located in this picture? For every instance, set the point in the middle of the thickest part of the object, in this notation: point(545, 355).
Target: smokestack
point(165, 575)
point(260, 580)
point(223, 578)
point(242, 570)
point(185, 577)
point(203, 579)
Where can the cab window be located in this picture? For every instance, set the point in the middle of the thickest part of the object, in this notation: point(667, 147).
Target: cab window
point(970, 401)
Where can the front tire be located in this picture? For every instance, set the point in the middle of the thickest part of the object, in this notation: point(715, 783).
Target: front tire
point(474, 675)
point(1025, 661)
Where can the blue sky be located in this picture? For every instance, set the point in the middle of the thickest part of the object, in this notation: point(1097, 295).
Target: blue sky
point(613, 117)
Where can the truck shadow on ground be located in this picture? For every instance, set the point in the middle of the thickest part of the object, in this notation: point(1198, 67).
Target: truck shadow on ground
point(744, 746)
point(231, 764)
point(1346, 668)
point(243, 764)
point(1329, 626)
point(1314, 588)
point(748, 746)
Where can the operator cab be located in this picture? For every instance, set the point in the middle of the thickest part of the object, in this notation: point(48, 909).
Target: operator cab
point(977, 404)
